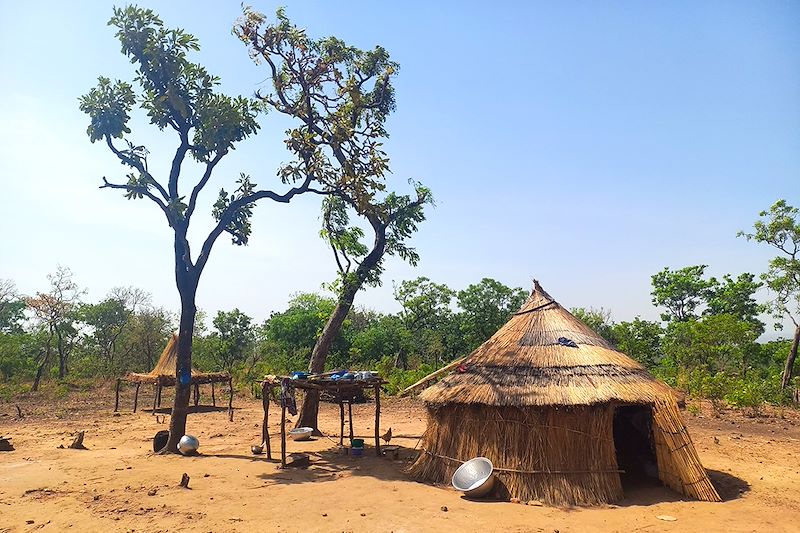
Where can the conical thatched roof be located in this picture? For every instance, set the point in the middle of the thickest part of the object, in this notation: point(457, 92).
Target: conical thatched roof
point(545, 356)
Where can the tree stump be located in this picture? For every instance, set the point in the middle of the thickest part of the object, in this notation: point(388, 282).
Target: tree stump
point(77, 444)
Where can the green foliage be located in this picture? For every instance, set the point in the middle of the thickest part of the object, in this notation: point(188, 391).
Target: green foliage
point(340, 97)
point(234, 337)
point(680, 291)
point(486, 306)
point(780, 228)
point(641, 340)
point(400, 379)
point(597, 319)
point(735, 297)
point(426, 304)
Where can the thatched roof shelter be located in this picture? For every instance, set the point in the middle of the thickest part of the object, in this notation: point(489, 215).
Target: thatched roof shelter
point(563, 415)
point(164, 371)
point(163, 375)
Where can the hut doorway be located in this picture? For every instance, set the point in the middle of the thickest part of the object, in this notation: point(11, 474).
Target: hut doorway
point(635, 450)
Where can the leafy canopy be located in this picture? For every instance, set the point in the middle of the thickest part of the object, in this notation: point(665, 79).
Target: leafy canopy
point(780, 228)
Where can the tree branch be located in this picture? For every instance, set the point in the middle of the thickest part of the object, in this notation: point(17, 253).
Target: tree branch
point(237, 204)
point(202, 183)
point(135, 163)
point(107, 185)
point(177, 161)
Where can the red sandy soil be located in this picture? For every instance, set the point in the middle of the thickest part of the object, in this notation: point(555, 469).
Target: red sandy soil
point(119, 485)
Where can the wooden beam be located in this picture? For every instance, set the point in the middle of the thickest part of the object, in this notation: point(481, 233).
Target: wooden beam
point(283, 434)
point(341, 420)
point(230, 400)
point(377, 420)
point(136, 397)
point(116, 402)
point(430, 377)
point(265, 425)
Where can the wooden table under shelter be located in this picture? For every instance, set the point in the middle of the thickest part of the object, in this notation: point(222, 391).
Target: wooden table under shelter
point(343, 391)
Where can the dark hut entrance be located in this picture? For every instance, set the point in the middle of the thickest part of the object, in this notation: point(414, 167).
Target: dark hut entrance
point(635, 450)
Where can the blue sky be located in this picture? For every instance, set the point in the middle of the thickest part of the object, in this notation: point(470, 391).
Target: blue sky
point(588, 145)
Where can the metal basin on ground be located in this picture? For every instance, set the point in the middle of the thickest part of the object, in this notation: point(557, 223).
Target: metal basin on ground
point(474, 478)
point(303, 433)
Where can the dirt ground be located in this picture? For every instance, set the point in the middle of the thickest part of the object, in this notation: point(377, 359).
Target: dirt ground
point(119, 485)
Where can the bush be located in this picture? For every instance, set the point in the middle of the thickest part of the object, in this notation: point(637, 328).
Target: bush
point(400, 379)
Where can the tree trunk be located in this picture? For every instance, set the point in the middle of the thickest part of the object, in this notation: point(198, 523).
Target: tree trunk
point(43, 365)
point(310, 409)
point(40, 370)
point(62, 355)
point(787, 370)
point(186, 278)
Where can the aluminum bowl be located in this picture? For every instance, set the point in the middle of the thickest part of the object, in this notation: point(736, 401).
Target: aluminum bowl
point(303, 433)
point(188, 445)
point(474, 478)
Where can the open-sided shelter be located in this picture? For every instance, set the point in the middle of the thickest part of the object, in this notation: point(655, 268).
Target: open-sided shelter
point(562, 415)
point(163, 375)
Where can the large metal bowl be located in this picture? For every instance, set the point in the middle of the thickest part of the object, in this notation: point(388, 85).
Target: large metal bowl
point(303, 433)
point(474, 478)
point(188, 445)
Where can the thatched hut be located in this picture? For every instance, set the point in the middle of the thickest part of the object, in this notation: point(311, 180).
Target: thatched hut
point(563, 415)
point(163, 375)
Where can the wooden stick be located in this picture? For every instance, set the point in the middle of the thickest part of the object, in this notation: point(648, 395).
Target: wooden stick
point(341, 421)
point(196, 394)
point(160, 388)
point(116, 402)
point(265, 424)
point(213, 397)
point(283, 435)
point(230, 400)
point(136, 397)
point(155, 398)
point(430, 377)
point(350, 414)
point(377, 420)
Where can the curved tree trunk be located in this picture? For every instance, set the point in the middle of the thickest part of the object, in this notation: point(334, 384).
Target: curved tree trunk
point(787, 370)
point(310, 409)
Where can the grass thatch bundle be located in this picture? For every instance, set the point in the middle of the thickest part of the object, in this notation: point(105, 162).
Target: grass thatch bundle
point(556, 409)
point(164, 372)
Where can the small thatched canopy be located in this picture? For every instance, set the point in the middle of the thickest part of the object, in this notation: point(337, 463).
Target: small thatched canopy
point(164, 372)
point(560, 413)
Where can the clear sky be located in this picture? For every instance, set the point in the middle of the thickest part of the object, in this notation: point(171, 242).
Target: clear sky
point(587, 144)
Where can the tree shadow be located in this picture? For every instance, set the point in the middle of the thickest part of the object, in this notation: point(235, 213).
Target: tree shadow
point(191, 410)
point(333, 463)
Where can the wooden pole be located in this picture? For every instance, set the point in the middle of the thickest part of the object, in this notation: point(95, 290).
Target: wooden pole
point(341, 420)
point(230, 400)
point(196, 394)
point(283, 434)
point(377, 420)
point(265, 424)
point(155, 398)
point(136, 397)
point(213, 397)
point(116, 402)
point(432, 376)
point(350, 413)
